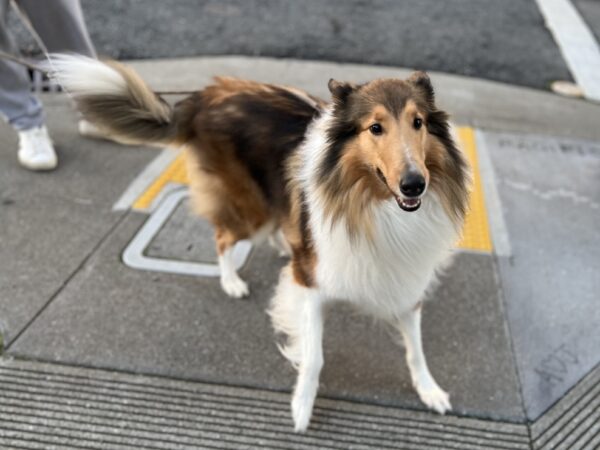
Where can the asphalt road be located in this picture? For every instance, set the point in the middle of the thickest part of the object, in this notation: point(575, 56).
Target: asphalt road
point(590, 11)
point(502, 40)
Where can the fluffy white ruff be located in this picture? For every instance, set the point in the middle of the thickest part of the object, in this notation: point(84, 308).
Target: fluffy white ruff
point(81, 75)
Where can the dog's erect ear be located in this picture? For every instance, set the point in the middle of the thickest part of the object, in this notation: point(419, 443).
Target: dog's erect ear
point(422, 81)
point(340, 90)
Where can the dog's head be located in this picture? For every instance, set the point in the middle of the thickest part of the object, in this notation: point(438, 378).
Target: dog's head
point(388, 138)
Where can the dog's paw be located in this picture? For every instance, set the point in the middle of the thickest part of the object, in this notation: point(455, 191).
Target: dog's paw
point(435, 398)
point(234, 286)
point(302, 407)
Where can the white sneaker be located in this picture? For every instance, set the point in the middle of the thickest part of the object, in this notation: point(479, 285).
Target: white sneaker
point(36, 151)
point(88, 129)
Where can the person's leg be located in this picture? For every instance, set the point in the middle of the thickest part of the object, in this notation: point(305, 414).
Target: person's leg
point(60, 25)
point(17, 104)
point(21, 108)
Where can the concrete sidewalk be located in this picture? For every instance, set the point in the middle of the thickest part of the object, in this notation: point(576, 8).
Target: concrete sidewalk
point(109, 344)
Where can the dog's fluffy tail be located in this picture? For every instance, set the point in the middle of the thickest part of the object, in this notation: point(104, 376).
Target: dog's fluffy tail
point(114, 97)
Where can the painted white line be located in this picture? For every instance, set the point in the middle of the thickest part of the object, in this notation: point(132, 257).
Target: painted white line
point(133, 255)
point(167, 190)
point(576, 42)
point(492, 198)
point(144, 179)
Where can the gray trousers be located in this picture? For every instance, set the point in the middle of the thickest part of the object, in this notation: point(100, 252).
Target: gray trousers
point(61, 27)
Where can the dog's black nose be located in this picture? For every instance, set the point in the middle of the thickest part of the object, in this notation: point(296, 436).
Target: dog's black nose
point(412, 184)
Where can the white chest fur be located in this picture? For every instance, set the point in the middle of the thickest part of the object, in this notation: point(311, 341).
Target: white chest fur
point(389, 274)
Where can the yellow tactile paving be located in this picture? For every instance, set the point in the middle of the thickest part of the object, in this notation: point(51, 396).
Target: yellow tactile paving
point(174, 173)
point(476, 234)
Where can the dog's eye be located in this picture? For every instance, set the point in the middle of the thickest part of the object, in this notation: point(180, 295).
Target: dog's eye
point(417, 123)
point(376, 129)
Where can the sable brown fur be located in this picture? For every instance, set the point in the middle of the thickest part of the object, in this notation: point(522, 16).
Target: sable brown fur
point(240, 135)
point(252, 125)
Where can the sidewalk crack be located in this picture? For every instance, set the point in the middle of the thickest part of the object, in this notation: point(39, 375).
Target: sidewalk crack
point(64, 284)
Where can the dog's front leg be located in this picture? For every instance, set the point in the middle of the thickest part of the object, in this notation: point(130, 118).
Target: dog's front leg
point(311, 346)
point(427, 388)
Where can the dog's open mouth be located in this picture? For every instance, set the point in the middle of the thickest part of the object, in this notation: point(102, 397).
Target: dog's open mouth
point(409, 204)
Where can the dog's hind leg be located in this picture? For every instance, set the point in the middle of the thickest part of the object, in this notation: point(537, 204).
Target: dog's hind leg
point(427, 388)
point(231, 282)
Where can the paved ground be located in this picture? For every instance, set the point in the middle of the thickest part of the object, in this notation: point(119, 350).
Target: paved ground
point(497, 40)
point(509, 332)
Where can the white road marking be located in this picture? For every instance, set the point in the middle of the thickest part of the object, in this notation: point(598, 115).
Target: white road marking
point(139, 185)
point(166, 190)
point(133, 255)
point(576, 42)
point(498, 229)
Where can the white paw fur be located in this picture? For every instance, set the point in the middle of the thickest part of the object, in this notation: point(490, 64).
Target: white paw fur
point(302, 406)
point(231, 282)
point(435, 398)
point(234, 286)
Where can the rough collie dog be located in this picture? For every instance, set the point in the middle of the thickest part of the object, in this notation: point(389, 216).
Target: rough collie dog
point(367, 193)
